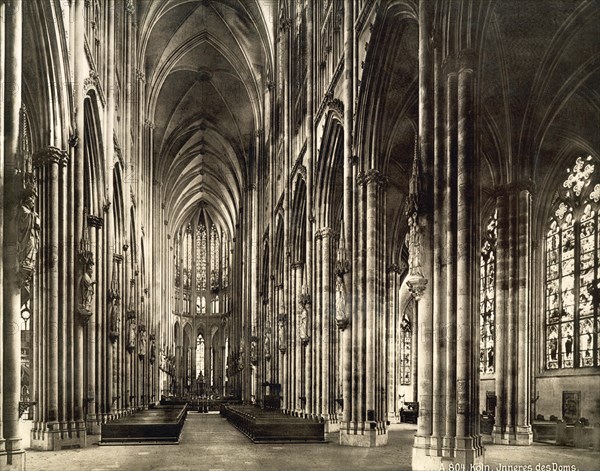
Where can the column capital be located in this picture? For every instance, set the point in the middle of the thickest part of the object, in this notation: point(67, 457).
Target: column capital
point(140, 75)
point(521, 185)
point(374, 176)
point(466, 59)
point(50, 155)
point(95, 221)
point(449, 64)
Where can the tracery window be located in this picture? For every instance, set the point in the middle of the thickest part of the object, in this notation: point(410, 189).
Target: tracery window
point(177, 274)
point(487, 311)
point(214, 258)
point(201, 255)
point(187, 262)
point(225, 264)
point(405, 346)
point(572, 271)
point(200, 357)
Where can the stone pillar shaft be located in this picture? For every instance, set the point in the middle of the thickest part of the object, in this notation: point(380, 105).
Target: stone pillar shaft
point(524, 434)
point(11, 338)
point(346, 335)
point(467, 412)
point(439, 261)
point(451, 162)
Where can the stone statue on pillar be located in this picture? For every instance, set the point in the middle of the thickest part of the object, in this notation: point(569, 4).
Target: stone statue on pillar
point(28, 224)
point(87, 287)
point(342, 266)
point(415, 280)
point(267, 345)
point(28, 227)
point(303, 330)
point(253, 348)
point(115, 318)
point(242, 354)
point(281, 332)
point(143, 341)
point(27, 219)
point(152, 348)
point(131, 336)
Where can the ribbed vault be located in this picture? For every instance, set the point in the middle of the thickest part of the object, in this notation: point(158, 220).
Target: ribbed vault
point(206, 64)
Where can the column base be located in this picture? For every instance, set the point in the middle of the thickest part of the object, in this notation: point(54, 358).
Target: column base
point(332, 426)
point(12, 460)
point(376, 435)
point(49, 437)
point(520, 435)
point(524, 436)
point(93, 427)
point(467, 455)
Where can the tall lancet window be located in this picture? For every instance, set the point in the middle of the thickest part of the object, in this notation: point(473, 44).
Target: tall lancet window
point(214, 258)
point(187, 260)
point(177, 274)
point(405, 340)
point(201, 254)
point(487, 307)
point(225, 263)
point(572, 274)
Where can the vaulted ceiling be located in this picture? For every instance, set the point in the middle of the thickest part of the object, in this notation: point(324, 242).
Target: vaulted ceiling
point(206, 63)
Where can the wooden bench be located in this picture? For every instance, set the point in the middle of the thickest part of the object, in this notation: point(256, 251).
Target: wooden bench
point(269, 426)
point(158, 425)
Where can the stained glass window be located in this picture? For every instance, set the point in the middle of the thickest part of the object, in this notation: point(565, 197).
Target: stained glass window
point(177, 274)
point(187, 261)
point(572, 278)
point(214, 258)
point(405, 340)
point(201, 255)
point(200, 357)
point(225, 263)
point(487, 307)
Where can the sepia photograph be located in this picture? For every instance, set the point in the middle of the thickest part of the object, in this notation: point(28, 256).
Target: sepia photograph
point(310, 235)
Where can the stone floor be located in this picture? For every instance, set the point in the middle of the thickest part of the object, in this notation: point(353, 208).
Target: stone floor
point(208, 442)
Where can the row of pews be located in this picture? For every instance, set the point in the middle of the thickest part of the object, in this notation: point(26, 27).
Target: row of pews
point(157, 425)
point(272, 426)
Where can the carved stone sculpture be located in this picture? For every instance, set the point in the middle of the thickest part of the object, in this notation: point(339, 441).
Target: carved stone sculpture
point(143, 341)
point(281, 333)
point(303, 323)
point(87, 287)
point(115, 318)
point(28, 224)
point(131, 336)
point(340, 302)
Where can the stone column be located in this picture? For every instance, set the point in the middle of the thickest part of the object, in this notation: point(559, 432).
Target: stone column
point(524, 433)
point(3, 8)
point(451, 162)
point(468, 447)
point(93, 341)
point(366, 428)
point(502, 252)
point(345, 332)
point(439, 260)
point(513, 316)
point(420, 215)
point(11, 291)
point(326, 361)
point(317, 324)
point(77, 20)
point(295, 335)
point(48, 433)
